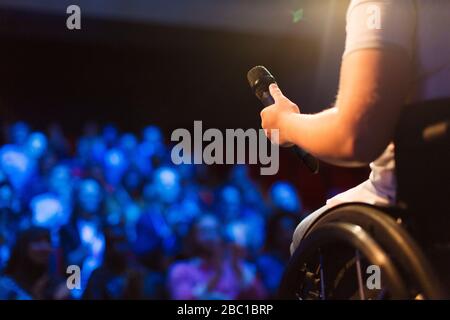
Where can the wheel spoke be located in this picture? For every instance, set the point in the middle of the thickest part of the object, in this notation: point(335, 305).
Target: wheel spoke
point(359, 276)
point(322, 279)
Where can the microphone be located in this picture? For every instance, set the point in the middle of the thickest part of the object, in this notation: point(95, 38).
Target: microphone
point(259, 79)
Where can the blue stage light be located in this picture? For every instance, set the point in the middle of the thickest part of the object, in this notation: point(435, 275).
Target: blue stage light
point(36, 145)
point(47, 210)
point(284, 196)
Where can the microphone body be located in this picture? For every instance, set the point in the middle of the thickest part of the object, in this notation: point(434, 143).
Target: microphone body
point(259, 79)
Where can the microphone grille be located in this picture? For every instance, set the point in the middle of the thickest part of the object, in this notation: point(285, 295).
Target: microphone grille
point(258, 74)
point(260, 79)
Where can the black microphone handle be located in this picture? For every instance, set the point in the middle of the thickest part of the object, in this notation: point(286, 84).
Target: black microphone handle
point(307, 158)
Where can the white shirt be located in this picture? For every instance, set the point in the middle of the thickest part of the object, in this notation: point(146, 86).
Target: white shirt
point(422, 29)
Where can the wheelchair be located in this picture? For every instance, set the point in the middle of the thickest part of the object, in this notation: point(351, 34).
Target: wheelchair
point(356, 251)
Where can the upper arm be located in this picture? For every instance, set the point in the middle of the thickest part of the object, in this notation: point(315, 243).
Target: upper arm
point(375, 72)
point(373, 88)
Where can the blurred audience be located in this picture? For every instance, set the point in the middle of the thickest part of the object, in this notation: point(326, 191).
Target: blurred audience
point(137, 226)
point(216, 271)
point(28, 274)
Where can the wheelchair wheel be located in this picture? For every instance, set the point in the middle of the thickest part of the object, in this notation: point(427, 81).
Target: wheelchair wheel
point(332, 259)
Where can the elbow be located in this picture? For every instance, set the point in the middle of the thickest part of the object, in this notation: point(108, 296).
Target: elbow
point(361, 150)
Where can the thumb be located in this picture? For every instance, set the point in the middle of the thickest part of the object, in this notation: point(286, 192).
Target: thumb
point(276, 93)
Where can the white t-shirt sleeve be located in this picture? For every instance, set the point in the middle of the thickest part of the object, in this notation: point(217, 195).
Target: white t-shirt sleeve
point(380, 24)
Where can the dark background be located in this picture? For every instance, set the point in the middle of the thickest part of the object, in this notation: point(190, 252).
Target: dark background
point(133, 73)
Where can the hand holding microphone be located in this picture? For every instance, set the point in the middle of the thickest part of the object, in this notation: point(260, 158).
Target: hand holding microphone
point(274, 116)
point(278, 108)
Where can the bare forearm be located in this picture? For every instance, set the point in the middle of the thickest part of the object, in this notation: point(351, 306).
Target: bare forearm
point(372, 90)
point(324, 135)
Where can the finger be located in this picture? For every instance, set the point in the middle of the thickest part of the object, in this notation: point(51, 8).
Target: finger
point(262, 113)
point(267, 110)
point(275, 92)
